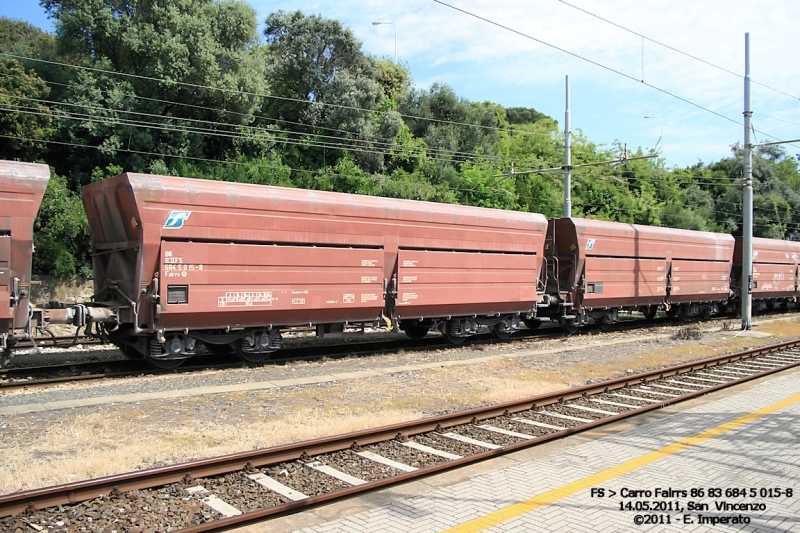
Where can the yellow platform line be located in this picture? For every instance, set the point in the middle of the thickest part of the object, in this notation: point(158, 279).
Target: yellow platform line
point(526, 506)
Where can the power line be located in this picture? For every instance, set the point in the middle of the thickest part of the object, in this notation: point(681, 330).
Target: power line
point(319, 173)
point(675, 49)
point(208, 131)
point(605, 67)
point(389, 151)
point(261, 95)
point(247, 116)
point(595, 63)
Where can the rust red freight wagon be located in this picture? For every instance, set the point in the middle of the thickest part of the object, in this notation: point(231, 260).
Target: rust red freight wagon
point(597, 268)
point(230, 265)
point(22, 187)
point(775, 273)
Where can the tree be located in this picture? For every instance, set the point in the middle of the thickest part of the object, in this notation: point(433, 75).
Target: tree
point(775, 204)
point(196, 68)
point(452, 127)
point(20, 38)
point(25, 118)
point(61, 232)
point(524, 115)
point(394, 78)
point(326, 90)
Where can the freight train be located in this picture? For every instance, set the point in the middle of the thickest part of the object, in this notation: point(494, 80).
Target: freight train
point(179, 262)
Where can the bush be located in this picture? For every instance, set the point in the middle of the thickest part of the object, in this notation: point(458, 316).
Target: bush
point(61, 232)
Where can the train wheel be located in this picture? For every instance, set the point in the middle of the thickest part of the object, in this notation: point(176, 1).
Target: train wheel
point(451, 330)
point(130, 353)
point(570, 325)
point(685, 313)
point(532, 323)
point(157, 362)
point(603, 323)
point(649, 312)
point(455, 340)
point(414, 331)
point(499, 333)
point(252, 357)
point(705, 313)
point(5, 357)
point(163, 364)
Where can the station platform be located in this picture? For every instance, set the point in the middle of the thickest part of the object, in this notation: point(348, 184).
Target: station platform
point(728, 461)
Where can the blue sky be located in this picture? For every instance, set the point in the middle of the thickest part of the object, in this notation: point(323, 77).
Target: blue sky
point(484, 62)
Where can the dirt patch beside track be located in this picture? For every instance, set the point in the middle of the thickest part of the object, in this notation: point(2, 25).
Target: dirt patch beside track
point(63, 445)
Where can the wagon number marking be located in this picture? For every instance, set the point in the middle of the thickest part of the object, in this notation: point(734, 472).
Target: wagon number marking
point(174, 267)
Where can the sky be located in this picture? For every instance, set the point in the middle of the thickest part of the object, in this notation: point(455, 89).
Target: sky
point(618, 75)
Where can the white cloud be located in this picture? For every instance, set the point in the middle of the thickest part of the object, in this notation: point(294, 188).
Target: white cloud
point(484, 62)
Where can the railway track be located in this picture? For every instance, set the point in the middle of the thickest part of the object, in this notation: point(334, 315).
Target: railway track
point(59, 341)
point(42, 376)
point(217, 493)
point(29, 377)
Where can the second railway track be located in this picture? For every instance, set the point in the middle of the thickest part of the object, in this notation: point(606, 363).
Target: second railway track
point(27, 377)
point(216, 493)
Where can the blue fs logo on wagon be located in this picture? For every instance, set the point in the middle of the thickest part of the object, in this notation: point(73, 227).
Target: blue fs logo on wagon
point(176, 219)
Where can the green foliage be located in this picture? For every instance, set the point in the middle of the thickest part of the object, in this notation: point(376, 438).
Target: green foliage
point(23, 115)
point(335, 119)
point(395, 79)
point(327, 90)
point(524, 115)
point(197, 70)
point(22, 39)
point(61, 232)
point(480, 186)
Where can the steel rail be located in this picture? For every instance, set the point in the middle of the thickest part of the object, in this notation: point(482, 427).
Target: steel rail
point(73, 493)
point(19, 377)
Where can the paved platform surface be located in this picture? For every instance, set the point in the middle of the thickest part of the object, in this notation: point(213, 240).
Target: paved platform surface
point(729, 461)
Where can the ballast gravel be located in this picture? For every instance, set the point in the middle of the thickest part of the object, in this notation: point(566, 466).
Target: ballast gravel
point(166, 509)
point(325, 367)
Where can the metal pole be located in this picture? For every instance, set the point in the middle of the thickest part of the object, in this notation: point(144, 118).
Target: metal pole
point(567, 160)
point(747, 207)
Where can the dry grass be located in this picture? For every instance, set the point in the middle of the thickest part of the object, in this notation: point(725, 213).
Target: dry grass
point(46, 449)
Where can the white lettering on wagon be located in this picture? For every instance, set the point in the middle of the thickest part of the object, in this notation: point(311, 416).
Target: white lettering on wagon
point(245, 299)
point(348, 298)
point(180, 270)
point(369, 262)
point(368, 297)
point(369, 279)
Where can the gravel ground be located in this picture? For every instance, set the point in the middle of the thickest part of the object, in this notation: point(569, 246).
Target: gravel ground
point(304, 479)
point(403, 454)
point(188, 428)
point(295, 370)
point(118, 513)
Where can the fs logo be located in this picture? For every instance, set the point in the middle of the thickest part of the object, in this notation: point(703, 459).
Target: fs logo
point(176, 219)
point(590, 244)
